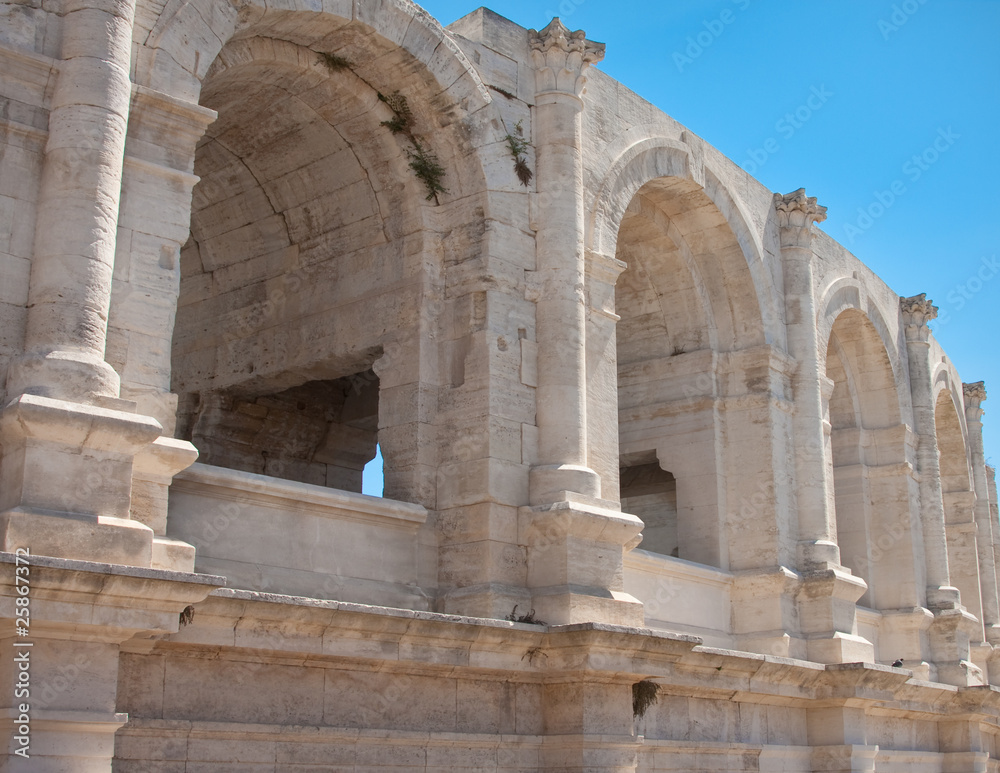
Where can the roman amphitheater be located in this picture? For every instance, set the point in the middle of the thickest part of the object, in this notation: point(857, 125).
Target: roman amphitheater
point(672, 480)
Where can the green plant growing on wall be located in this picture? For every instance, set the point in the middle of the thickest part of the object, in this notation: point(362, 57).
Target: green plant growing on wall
point(424, 163)
point(402, 120)
point(518, 146)
point(428, 169)
point(644, 695)
point(529, 618)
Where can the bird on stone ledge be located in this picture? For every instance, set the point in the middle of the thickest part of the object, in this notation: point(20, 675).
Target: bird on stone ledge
point(898, 663)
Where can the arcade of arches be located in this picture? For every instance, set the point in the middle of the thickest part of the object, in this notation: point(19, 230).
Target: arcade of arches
point(642, 421)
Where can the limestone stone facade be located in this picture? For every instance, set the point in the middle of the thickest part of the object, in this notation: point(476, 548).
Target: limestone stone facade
point(642, 420)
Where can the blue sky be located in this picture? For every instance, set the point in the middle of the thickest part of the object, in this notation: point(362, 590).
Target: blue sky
point(871, 86)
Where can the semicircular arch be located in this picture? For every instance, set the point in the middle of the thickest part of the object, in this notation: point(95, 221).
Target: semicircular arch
point(669, 167)
point(184, 38)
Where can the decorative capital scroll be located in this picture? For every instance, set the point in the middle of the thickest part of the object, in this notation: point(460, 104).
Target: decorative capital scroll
point(974, 395)
point(917, 311)
point(561, 57)
point(796, 210)
point(974, 392)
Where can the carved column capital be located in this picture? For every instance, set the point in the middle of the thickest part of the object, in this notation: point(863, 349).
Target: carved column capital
point(796, 210)
point(796, 213)
point(917, 312)
point(561, 58)
point(974, 395)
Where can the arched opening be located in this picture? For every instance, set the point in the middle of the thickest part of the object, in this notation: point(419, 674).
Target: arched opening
point(959, 500)
point(687, 308)
point(308, 268)
point(868, 441)
point(650, 492)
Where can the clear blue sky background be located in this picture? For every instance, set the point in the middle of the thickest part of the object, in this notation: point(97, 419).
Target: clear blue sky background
point(898, 76)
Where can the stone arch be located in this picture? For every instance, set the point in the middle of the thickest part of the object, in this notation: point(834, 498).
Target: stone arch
point(949, 427)
point(689, 319)
point(956, 474)
point(870, 449)
point(848, 293)
point(645, 161)
point(957, 490)
point(315, 266)
point(179, 42)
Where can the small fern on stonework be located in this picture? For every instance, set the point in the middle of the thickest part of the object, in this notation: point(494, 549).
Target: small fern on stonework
point(428, 169)
point(518, 146)
point(529, 618)
point(402, 120)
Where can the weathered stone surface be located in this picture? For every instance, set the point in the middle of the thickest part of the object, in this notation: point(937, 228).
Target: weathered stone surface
point(641, 419)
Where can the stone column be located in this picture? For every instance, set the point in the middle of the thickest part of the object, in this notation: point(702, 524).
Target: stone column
point(574, 539)
point(561, 58)
point(70, 290)
point(953, 628)
point(994, 517)
point(986, 530)
point(813, 463)
point(828, 595)
point(917, 313)
point(68, 441)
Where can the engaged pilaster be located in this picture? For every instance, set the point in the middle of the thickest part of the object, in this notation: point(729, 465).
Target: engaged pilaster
point(917, 313)
point(796, 214)
point(986, 529)
point(574, 540)
point(827, 598)
point(561, 58)
point(951, 633)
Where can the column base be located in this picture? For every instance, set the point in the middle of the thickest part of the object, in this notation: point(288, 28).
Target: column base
point(96, 538)
point(827, 602)
point(490, 600)
point(575, 563)
point(67, 375)
point(65, 480)
point(840, 647)
point(763, 603)
point(949, 637)
point(559, 482)
point(903, 635)
point(943, 597)
point(568, 605)
point(172, 555)
point(818, 555)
